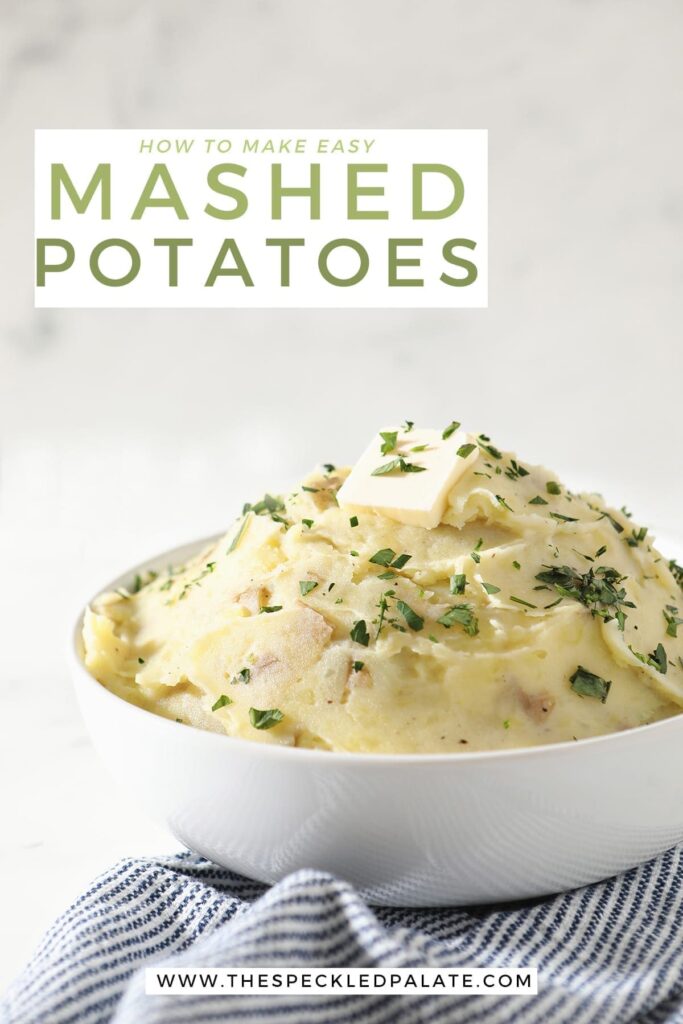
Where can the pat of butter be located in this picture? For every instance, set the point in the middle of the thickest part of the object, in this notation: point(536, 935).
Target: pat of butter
point(416, 498)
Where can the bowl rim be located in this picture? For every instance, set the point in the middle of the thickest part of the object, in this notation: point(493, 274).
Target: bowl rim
point(347, 757)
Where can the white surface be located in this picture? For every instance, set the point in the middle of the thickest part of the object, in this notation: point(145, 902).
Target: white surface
point(124, 433)
point(427, 829)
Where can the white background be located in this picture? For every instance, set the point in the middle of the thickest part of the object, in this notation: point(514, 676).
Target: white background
point(123, 433)
point(82, 151)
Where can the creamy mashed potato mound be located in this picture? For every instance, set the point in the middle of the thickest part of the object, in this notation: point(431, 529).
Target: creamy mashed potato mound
point(529, 615)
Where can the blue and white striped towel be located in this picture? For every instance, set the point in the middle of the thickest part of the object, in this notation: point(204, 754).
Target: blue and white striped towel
point(611, 952)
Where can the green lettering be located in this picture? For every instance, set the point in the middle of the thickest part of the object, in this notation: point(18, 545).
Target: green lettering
point(396, 261)
point(173, 246)
point(114, 282)
point(43, 267)
point(457, 261)
point(419, 170)
point(238, 270)
point(279, 192)
point(354, 190)
point(327, 250)
point(285, 244)
point(216, 185)
point(59, 177)
point(160, 172)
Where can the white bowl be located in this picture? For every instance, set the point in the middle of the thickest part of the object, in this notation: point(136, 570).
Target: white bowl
point(407, 829)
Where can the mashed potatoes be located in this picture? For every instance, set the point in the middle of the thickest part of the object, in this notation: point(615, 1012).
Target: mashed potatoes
point(530, 615)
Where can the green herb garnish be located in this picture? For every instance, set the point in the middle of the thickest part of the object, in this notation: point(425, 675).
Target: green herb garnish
point(637, 536)
point(400, 464)
point(414, 620)
point(389, 438)
point(222, 701)
point(384, 556)
point(587, 684)
point(657, 659)
point(597, 589)
point(553, 488)
point(538, 500)
point(359, 633)
point(672, 620)
point(265, 719)
point(357, 666)
point(464, 616)
point(268, 609)
point(465, 449)
point(243, 676)
point(308, 523)
point(490, 588)
point(474, 554)
point(450, 429)
point(306, 586)
point(458, 583)
point(518, 600)
point(353, 521)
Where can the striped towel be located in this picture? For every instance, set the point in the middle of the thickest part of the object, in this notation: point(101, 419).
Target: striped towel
point(609, 952)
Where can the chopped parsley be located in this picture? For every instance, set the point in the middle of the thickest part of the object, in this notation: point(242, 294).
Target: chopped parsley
point(414, 620)
point(657, 659)
point(458, 583)
point(353, 521)
point(514, 470)
point(384, 556)
point(636, 537)
point(538, 500)
point(243, 676)
point(408, 426)
point(483, 442)
point(597, 589)
point(238, 535)
point(563, 519)
point(464, 616)
point(389, 438)
point(516, 565)
point(490, 588)
point(310, 490)
point(527, 604)
point(503, 502)
point(222, 702)
point(389, 558)
point(306, 586)
point(328, 467)
point(587, 684)
point(265, 719)
point(388, 575)
point(465, 450)
point(474, 554)
point(401, 464)
point(419, 448)
point(383, 605)
point(450, 429)
point(357, 666)
point(268, 609)
point(552, 487)
point(400, 561)
point(308, 523)
point(676, 571)
point(672, 620)
point(359, 633)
